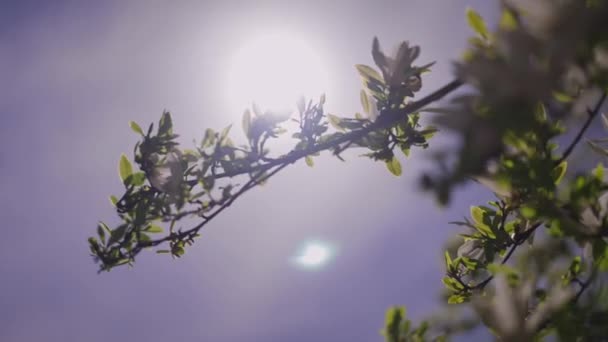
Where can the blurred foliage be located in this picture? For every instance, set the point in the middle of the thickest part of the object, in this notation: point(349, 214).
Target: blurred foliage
point(530, 264)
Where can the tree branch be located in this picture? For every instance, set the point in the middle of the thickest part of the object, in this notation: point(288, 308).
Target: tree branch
point(386, 119)
point(592, 113)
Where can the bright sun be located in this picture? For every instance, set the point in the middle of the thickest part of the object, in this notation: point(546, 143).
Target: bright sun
point(274, 70)
point(314, 255)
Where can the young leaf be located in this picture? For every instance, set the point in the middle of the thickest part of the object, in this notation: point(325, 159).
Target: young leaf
point(598, 172)
point(368, 73)
point(309, 161)
point(101, 233)
point(246, 122)
point(394, 166)
point(365, 102)
point(136, 179)
point(456, 299)
point(478, 215)
point(528, 212)
point(124, 168)
point(165, 125)
point(136, 128)
point(117, 234)
point(154, 229)
point(597, 148)
point(508, 22)
point(559, 172)
point(335, 121)
point(562, 97)
point(477, 23)
point(379, 57)
point(113, 200)
point(448, 260)
point(224, 133)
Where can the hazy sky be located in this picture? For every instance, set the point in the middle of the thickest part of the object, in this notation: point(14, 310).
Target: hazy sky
point(74, 73)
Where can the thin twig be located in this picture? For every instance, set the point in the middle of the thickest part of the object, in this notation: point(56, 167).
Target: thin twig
point(192, 231)
point(506, 258)
point(591, 115)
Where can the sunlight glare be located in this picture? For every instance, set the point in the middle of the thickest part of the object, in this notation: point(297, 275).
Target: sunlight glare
point(314, 255)
point(274, 70)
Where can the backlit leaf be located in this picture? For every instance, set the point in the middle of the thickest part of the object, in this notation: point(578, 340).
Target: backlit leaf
point(368, 73)
point(559, 172)
point(154, 229)
point(478, 215)
point(508, 22)
point(124, 168)
point(165, 125)
point(365, 102)
point(309, 161)
point(477, 23)
point(246, 122)
point(394, 166)
point(136, 128)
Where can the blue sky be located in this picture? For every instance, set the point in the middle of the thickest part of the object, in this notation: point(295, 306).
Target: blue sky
point(75, 73)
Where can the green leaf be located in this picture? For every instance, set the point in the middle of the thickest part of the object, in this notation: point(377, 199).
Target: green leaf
point(165, 125)
point(598, 172)
point(101, 233)
point(575, 266)
point(335, 121)
point(154, 229)
point(368, 73)
point(456, 299)
point(477, 23)
point(105, 227)
point(541, 112)
point(113, 200)
point(479, 216)
point(394, 166)
point(559, 171)
point(448, 260)
point(246, 122)
point(309, 161)
point(562, 97)
point(144, 238)
point(209, 138)
point(452, 284)
point(117, 234)
point(528, 212)
point(365, 102)
point(597, 148)
point(124, 168)
point(379, 57)
point(429, 132)
point(393, 322)
point(508, 22)
point(136, 179)
point(163, 251)
point(136, 128)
